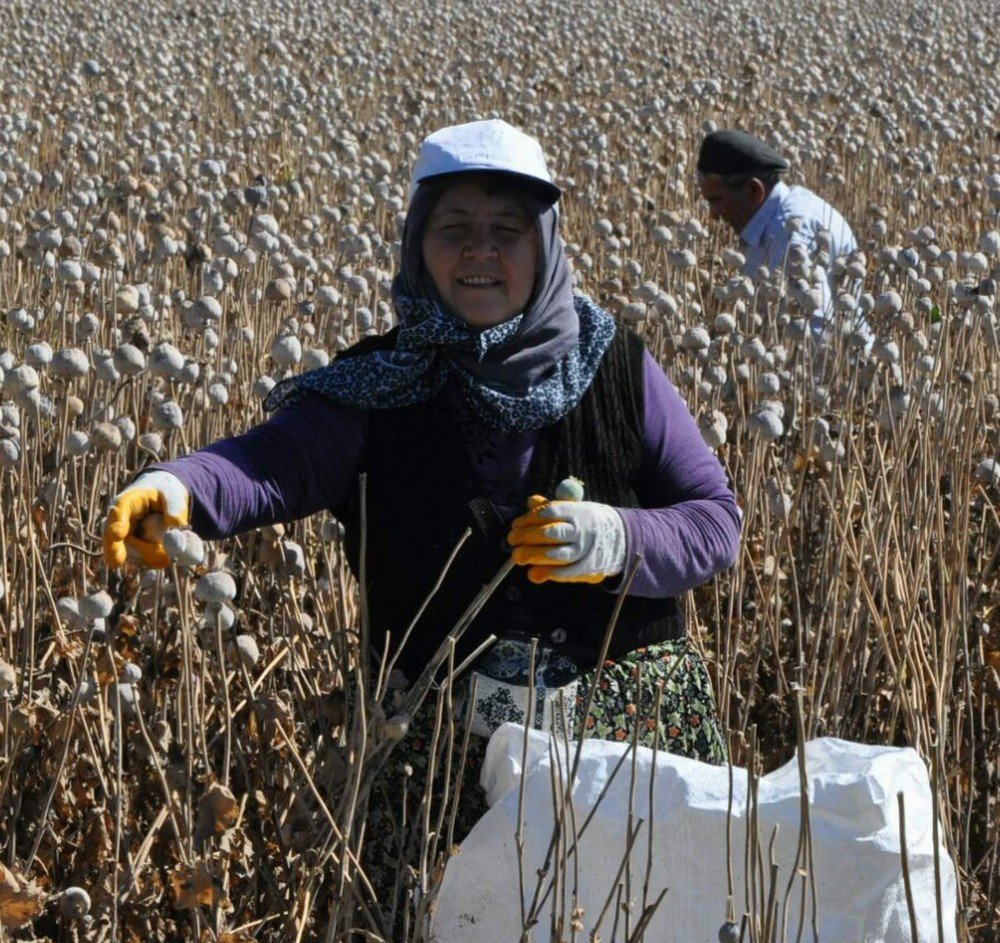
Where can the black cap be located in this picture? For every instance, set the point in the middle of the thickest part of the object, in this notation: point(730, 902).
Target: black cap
point(736, 152)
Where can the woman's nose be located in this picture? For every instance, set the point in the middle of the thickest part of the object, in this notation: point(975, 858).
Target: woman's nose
point(480, 244)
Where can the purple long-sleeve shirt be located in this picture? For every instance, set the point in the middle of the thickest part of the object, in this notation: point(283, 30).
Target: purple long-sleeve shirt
point(308, 457)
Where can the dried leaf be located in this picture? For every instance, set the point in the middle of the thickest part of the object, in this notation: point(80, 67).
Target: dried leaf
point(107, 669)
point(993, 684)
point(334, 707)
point(235, 936)
point(96, 846)
point(217, 812)
point(59, 730)
point(193, 887)
point(237, 845)
point(38, 518)
point(68, 646)
point(128, 625)
point(276, 712)
point(18, 904)
point(23, 721)
point(771, 568)
point(161, 735)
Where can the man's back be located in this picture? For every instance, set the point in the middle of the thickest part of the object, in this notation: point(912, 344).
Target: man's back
point(773, 229)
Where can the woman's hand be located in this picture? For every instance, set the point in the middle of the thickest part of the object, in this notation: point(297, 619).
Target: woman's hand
point(139, 515)
point(569, 541)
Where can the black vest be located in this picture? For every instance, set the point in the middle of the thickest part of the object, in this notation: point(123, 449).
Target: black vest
point(421, 496)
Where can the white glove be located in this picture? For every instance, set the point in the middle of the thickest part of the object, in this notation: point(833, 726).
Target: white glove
point(569, 541)
point(139, 515)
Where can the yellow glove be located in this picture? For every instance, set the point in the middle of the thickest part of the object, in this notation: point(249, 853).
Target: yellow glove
point(568, 541)
point(139, 515)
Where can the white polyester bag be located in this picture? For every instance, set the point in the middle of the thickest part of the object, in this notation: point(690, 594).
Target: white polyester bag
point(854, 817)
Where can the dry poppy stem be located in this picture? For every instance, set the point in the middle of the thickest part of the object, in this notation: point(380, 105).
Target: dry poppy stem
point(804, 848)
point(61, 766)
point(168, 799)
point(429, 834)
point(630, 815)
point(118, 806)
point(561, 801)
point(223, 684)
point(536, 904)
point(449, 768)
point(456, 673)
point(256, 683)
point(519, 827)
point(327, 814)
point(573, 848)
point(387, 669)
point(651, 812)
point(616, 887)
point(143, 852)
point(646, 917)
point(466, 737)
point(572, 835)
point(905, 865)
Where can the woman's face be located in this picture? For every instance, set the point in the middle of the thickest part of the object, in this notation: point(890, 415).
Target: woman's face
point(481, 250)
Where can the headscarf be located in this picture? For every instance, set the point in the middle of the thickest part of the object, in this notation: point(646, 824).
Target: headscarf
point(524, 373)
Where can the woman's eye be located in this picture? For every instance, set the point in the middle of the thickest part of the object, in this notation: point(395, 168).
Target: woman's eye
point(512, 231)
point(450, 230)
point(507, 232)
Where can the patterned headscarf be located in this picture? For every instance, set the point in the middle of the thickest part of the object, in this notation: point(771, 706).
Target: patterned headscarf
point(524, 373)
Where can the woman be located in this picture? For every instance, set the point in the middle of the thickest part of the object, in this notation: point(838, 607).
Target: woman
point(498, 384)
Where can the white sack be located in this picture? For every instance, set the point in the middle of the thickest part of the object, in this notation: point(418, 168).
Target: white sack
point(855, 830)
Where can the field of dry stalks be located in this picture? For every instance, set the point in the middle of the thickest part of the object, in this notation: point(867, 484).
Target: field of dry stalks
point(197, 198)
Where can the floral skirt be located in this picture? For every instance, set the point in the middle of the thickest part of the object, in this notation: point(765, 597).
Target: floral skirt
point(686, 724)
point(622, 708)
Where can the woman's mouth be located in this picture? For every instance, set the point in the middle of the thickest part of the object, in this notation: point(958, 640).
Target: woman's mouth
point(478, 281)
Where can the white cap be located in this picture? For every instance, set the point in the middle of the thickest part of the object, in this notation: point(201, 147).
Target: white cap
point(484, 146)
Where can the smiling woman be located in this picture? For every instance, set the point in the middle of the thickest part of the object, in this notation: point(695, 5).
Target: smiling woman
point(497, 385)
point(480, 248)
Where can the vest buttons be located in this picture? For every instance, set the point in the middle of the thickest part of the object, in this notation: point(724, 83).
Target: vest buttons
point(513, 593)
point(558, 636)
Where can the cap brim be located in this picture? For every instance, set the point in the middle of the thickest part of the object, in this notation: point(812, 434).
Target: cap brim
point(548, 193)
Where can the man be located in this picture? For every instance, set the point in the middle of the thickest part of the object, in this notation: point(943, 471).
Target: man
point(780, 227)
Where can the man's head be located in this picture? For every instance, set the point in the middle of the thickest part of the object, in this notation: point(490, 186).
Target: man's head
point(736, 172)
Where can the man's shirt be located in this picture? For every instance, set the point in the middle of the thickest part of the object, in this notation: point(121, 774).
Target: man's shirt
point(771, 239)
